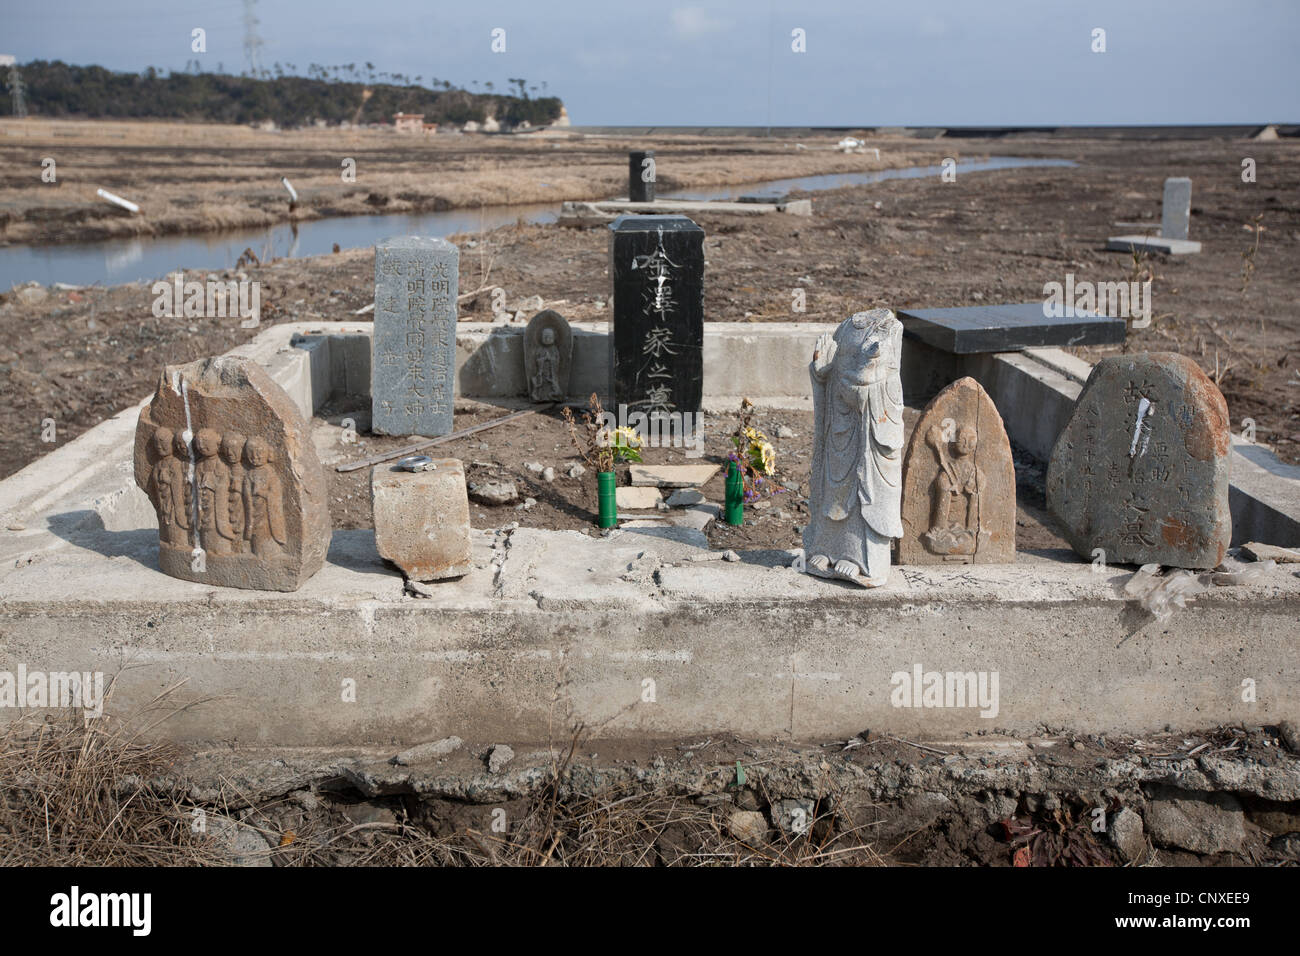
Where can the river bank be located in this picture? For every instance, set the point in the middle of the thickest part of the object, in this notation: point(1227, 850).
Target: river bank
point(191, 178)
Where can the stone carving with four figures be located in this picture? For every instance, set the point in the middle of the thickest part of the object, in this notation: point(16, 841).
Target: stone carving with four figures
point(226, 459)
point(857, 450)
point(959, 483)
point(548, 356)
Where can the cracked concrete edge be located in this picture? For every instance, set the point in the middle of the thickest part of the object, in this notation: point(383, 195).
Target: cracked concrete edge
point(783, 770)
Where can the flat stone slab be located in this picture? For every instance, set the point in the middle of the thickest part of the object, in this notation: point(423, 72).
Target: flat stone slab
point(685, 496)
point(1169, 246)
point(1007, 328)
point(1270, 552)
point(673, 476)
point(637, 498)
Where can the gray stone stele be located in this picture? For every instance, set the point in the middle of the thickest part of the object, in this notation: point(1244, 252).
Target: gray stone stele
point(1176, 210)
point(413, 366)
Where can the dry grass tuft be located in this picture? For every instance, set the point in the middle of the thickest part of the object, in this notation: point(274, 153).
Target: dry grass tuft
point(77, 793)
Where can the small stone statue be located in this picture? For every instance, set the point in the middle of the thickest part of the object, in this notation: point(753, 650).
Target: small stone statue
point(166, 488)
point(955, 502)
point(857, 452)
point(212, 479)
point(263, 501)
point(232, 453)
point(548, 352)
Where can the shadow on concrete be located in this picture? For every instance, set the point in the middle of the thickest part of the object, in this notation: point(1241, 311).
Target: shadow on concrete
point(85, 529)
point(355, 550)
point(1266, 459)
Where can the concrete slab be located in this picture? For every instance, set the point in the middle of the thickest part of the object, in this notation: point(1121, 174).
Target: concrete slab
point(751, 647)
point(549, 626)
point(672, 476)
point(1004, 328)
point(1165, 244)
point(637, 499)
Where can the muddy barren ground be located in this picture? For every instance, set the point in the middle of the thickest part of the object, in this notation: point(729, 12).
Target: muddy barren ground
point(774, 520)
point(79, 356)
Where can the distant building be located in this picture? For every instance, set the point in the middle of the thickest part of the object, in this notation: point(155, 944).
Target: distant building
point(430, 128)
point(409, 122)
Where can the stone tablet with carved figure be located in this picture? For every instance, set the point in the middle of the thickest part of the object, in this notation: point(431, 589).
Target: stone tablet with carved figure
point(1141, 470)
point(548, 356)
point(959, 483)
point(226, 459)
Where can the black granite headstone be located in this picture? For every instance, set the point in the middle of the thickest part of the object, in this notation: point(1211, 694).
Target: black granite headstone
point(656, 343)
point(641, 175)
point(1007, 328)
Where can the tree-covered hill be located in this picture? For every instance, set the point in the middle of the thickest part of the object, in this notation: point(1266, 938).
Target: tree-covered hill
point(332, 94)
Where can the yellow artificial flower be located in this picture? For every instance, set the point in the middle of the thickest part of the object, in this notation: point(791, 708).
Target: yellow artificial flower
point(628, 437)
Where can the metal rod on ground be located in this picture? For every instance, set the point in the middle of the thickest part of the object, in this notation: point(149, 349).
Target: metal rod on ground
point(117, 200)
point(410, 449)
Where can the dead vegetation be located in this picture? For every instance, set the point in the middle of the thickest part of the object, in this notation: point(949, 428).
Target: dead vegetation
point(87, 793)
point(78, 793)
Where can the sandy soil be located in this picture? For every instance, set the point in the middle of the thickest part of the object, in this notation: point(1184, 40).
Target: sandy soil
point(78, 357)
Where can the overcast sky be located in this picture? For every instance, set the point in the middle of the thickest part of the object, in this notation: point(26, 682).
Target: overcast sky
point(630, 62)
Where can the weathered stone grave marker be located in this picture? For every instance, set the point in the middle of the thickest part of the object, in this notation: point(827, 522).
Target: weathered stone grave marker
point(641, 175)
point(656, 341)
point(1176, 208)
point(228, 463)
point(1141, 470)
point(959, 483)
point(857, 450)
point(422, 517)
point(548, 356)
point(413, 367)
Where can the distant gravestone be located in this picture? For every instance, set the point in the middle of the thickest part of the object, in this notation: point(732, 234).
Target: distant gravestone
point(413, 367)
point(548, 356)
point(1141, 470)
point(657, 339)
point(641, 175)
point(1176, 210)
point(959, 483)
point(229, 465)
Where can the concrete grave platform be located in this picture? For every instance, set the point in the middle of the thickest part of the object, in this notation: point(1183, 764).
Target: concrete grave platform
point(645, 633)
point(1166, 244)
